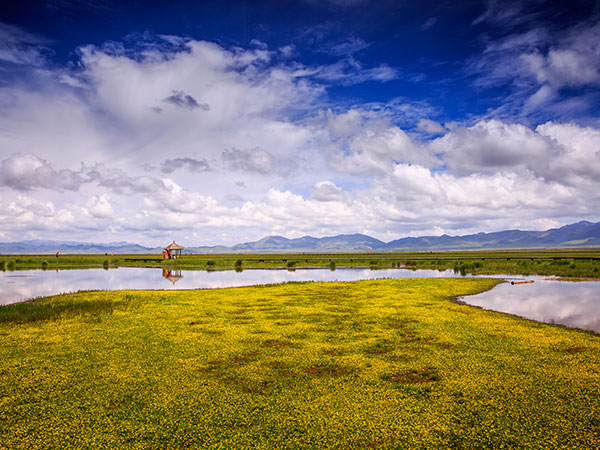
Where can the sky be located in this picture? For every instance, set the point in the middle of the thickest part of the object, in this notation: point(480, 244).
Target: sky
point(223, 122)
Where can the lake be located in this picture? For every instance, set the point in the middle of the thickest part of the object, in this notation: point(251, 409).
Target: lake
point(575, 304)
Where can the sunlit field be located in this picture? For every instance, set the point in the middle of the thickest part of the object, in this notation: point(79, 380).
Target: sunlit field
point(369, 364)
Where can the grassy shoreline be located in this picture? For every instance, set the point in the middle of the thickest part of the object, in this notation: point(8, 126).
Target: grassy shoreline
point(378, 363)
point(581, 263)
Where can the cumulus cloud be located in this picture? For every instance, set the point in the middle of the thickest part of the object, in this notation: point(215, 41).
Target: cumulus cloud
point(492, 146)
point(100, 206)
point(183, 100)
point(120, 183)
point(256, 160)
point(565, 153)
point(28, 172)
point(90, 156)
point(430, 126)
point(578, 155)
point(189, 164)
point(326, 191)
point(368, 145)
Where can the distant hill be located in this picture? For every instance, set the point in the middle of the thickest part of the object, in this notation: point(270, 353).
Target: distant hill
point(581, 234)
point(38, 247)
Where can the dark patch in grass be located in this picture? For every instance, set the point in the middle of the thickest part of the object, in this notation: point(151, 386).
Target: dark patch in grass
point(400, 323)
point(398, 358)
point(407, 336)
point(248, 386)
point(428, 375)
point(574, 350)
point(444, 345)
point(335, 352)
point(298, 335)
point(277, 344)
point(212, 332)
point(282, 369)
point(212, 366)
point(315, 317)
point(326, 370)
point(379, 348)
point(261, 388)
point(244, 358)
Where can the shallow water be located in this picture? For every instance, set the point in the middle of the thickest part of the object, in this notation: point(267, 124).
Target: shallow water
point(26, 284)
point(574, 304)
point(546, 300)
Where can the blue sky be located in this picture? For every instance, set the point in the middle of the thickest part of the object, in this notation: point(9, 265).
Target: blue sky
point(220, 122)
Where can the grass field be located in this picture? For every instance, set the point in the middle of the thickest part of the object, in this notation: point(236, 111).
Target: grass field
point(580, 263)
point(371, 364)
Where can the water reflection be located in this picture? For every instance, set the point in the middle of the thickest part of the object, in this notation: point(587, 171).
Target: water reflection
point(574, 304)
point(571, 304)
point(173, 275)
point(22, 285)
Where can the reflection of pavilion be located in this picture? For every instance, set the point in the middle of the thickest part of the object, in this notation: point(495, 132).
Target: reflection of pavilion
point(173, 275)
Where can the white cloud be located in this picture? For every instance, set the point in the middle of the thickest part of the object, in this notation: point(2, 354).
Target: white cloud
point(326, 191)
point(491, 146)
point(565, 153)
point(255, 160)
point(100, 206)
point(190, 164)
point(542, 70)
point(86, 154)
point(350, 71)
point(19, 46)
point(29, 172)
point(430, 126)
point(369, 145)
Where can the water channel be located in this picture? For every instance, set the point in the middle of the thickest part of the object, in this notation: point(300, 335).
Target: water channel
point(574, 304)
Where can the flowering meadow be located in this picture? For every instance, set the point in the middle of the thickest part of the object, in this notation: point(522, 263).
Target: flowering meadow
point(387, 364)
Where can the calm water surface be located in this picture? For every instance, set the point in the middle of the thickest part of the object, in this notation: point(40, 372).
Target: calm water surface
point(574, 304)
point(25, 284)
point(567, 303)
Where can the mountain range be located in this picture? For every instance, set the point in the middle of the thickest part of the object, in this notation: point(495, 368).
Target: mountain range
point(580, 234)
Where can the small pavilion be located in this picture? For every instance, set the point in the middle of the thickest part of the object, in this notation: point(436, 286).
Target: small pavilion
point(172, 251)
point(172, 275)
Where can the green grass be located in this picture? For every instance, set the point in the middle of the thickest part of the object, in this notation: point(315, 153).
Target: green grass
point(371, 364)
point(580, 263)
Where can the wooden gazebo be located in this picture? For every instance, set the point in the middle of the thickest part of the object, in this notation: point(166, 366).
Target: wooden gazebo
point(172, 251)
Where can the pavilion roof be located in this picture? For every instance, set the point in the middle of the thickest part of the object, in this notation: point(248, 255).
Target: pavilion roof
point(173, 246)
point(174, 278)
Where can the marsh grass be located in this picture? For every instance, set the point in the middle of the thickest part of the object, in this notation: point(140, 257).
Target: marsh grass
point(63, 307)
point(383, 363)
point(574, 263)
